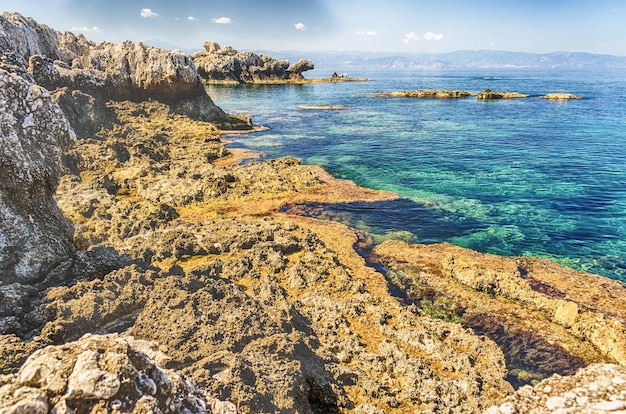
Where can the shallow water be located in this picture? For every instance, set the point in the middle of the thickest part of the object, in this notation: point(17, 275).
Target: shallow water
point(513, 177)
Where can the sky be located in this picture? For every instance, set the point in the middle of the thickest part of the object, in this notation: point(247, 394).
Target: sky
point(409, 26)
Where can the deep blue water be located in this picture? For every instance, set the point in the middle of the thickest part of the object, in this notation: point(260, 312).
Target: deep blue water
point(513, 177)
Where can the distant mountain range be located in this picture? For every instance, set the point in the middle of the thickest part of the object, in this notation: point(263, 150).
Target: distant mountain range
point(459, 59)
point(337, 61)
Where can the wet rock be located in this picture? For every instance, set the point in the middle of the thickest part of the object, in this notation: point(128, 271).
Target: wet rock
point(428, 94)
point(537, 311)
point(561, 96)
point(489, 94)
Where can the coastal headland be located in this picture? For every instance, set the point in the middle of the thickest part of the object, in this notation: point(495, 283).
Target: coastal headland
point(146, 268)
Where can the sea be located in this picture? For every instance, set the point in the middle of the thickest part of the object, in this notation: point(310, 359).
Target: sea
point(513, 177)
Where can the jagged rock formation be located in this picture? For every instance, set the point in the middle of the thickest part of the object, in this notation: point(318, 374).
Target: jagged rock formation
point(547, 319)
point(35, 237)
point(93, 74)
point(595, 389)
point(107, 373)
point(226, 65)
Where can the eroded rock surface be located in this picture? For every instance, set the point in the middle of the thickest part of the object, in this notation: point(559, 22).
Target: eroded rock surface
point(109, 373)
point(35, 237)
point(219, 65)
point(599, 388)
point(93, 73)
point(547, 319)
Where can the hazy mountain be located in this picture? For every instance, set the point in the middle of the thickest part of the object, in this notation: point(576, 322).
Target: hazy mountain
point(459, 59)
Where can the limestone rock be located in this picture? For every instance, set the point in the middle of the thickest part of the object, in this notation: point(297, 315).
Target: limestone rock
point(301, 66)
point(34, 235)
point(598, 388)
point(489, 94)
point(229, 65)
point(106, 71)
point(547, 319)
point(102, 373)
point(561, 96)
point(428, 94)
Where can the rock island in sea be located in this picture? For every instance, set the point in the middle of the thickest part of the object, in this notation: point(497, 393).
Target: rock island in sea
point(144, 269)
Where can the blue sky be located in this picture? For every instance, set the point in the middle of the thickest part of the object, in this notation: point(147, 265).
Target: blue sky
point(437, 26)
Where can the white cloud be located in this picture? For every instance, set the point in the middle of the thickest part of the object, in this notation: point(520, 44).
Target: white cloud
point(366, 33)
point(222, 20)
point(300, 26)
point(148, 13)
point(191, 18)
point(410, 36)
point(95, 29)
point(433, 36)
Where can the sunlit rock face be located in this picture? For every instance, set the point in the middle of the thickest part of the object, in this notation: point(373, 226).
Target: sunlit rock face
point(35, 237)
point(216, 64)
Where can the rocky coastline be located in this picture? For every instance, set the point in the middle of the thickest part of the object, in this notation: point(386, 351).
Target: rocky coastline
point(144, 268)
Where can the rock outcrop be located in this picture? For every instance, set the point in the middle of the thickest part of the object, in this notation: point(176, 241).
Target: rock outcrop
point(93, 74)
point(227, 65)
point(103, 373)
point(431, 93)
point(35, 237)
point(561, 96)
point(489, 94)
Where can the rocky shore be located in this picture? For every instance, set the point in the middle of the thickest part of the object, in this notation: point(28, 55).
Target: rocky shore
point(144, 268)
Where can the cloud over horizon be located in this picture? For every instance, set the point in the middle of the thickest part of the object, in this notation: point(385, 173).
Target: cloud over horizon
point(191, 18)
point(410, 36)
point(222, 20)
point(300, 26)
point(366, 33)
point(148, 13)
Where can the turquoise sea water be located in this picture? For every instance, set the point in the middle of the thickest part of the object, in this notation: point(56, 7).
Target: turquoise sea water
point(512, 177)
